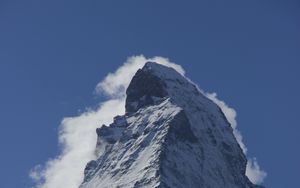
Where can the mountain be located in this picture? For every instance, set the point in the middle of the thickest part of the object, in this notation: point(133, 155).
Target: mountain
point(171, 136)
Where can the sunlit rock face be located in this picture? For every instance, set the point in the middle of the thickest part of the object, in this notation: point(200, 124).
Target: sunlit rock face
point(171, 136)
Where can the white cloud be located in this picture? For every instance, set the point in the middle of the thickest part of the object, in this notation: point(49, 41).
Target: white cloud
point(255, 174)
point(77, 136)
point(253, 171)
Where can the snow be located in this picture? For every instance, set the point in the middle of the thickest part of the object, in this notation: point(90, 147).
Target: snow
point(137, 151)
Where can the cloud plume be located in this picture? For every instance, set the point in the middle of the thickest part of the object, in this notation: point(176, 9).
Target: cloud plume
point(77, 136)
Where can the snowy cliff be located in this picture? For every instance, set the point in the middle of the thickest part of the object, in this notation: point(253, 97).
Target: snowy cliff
point(171, 136)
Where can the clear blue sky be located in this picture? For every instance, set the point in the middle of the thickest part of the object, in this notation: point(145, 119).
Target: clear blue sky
point(53, 53)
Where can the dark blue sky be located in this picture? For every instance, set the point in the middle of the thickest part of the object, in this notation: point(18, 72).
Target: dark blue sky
point(53, 53)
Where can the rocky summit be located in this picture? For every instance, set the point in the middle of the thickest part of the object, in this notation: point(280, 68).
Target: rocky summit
point(171, 136)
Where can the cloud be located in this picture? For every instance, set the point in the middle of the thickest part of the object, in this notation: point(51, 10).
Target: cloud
point(253, 171)
point(77, 136)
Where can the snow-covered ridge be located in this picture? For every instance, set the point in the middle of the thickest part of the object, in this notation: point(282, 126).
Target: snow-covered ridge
point(170, 136)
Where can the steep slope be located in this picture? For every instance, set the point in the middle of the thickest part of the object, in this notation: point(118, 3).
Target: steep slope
point(171, 136)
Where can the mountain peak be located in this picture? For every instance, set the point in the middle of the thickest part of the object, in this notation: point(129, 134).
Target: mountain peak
point(145, 87)
point(162, 71)
point(171, 136)
point(150, 84)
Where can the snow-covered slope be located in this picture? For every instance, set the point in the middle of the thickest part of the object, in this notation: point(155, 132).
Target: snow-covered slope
point(171, 136)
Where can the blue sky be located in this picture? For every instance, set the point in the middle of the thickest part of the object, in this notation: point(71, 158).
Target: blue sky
point(53, 54)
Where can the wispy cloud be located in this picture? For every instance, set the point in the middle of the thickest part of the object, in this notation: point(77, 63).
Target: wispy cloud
point(77, 137)
point(254, 172)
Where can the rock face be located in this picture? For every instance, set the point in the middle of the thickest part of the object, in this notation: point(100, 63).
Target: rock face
point(171, 136)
